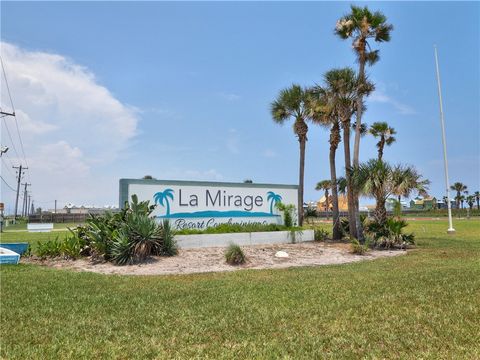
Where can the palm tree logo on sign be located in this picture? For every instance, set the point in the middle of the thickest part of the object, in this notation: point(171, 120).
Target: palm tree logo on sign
point(274, 199)
point(164, 197)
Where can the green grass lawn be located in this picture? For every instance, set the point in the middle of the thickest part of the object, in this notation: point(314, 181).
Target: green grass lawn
point(422, 305)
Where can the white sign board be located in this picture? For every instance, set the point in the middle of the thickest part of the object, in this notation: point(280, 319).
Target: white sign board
point(199, 205)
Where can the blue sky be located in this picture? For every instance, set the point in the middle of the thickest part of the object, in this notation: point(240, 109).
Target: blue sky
point(193, 83)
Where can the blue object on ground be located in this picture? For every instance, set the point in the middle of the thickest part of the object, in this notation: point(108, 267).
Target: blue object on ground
point(8, 256)
point(19, 247)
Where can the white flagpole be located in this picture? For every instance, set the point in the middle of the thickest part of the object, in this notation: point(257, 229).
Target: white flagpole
point(450, 230)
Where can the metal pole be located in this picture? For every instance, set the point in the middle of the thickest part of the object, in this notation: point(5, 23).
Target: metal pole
point(18, 191)
point(450, 230)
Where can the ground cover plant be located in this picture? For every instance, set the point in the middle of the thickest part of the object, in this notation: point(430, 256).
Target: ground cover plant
point(234, 255)
point(236, 228)
point(421, 305)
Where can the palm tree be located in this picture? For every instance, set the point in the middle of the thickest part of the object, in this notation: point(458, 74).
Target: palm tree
point(361, 25)
point(163, 197)
point(410, 181)
point(344, 85)
point(325, 185)
point(325, 114)
point(477, 197)
point(385, 133)
point(274, 199)
point(470, 201)
point(380, 180)
point(294, 102)
point(459, 188)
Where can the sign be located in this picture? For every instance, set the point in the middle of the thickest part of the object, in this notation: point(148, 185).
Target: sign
point(198, 204)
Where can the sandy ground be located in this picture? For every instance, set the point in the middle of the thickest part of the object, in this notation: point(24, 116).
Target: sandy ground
point(202, 260)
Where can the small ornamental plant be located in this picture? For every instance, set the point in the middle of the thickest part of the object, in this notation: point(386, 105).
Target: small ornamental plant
point(234, 255)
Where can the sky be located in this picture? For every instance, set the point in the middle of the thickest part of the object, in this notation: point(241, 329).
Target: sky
point(182, 91)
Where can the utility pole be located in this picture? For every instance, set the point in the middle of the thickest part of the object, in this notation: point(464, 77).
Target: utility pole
point(55, 206)
point(32, 210)
point(19, 179)
point(28, 206)
point(450, 230)
point(25, 200)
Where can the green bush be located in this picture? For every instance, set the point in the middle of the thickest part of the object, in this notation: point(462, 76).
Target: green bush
point(49, 248)
point(128, 236)
point(169, 245)
point(70, 247)
point(121, 250)
point(358, 248)
point(390, 234)
point(235, 228)
point(320, 234)
point(234, 255)
point(288, 213)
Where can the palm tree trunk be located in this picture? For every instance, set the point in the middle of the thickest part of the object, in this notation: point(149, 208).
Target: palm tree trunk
point(381, 145)
point(356, 147)
point(302, 140)
point(380, 211)
point(350, 195)
point(336, 232)
point(327, 205)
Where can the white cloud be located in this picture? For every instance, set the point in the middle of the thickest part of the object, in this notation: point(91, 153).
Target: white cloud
point(183, 174)
point(269, 153)
point(229, 96)
point(380, 96)
point(233, 141)
point(70, 124)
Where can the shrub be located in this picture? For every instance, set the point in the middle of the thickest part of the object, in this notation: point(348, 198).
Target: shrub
point(358, 248)
point(234, 228)
point(49, 248)
point(125, 237)
point(121, 252)
point(288, 213)
point(234, 255)
point(320, 234)
point(169, 245)
point(70, 247)
point(390, 234)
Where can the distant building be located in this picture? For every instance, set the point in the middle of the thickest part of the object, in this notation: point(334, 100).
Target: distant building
point(85, 209)
point(342, 203)
point(427, 203)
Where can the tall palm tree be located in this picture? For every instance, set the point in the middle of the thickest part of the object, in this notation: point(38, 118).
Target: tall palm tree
point(477, 197)
point(385, 133)
point(325, 114)
point(344, 84)
point(470, 201)
point(380, 180)
point(295, 102)
point(325, 185)
point(459, 188)
point(361, 25)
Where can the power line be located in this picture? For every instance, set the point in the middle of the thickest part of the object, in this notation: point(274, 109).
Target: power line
point(11, 140)
point(11, 188)
point(8, 167)
point(8, 88)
